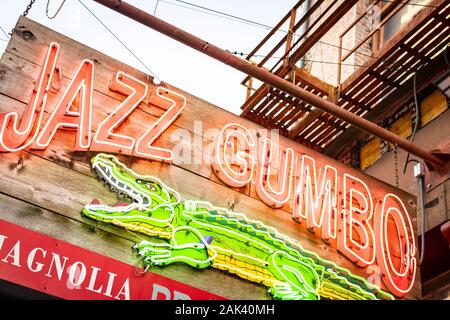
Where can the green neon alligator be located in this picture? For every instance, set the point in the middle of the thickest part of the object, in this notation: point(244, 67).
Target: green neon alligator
point(201, 235)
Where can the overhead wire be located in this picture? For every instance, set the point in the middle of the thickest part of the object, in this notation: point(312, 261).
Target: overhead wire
point(224, 15)
point(210, 12)
point(47, 9)
point(213, 12)
point(120, 41)
point(156, 7)
point(407, 3)
point(303, 60)
point(4, 32)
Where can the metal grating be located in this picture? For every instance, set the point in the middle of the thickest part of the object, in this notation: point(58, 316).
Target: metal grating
point(413, 46)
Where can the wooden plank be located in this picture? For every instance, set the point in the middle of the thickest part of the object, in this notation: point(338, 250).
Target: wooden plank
point(370, 153)
point(388, 106)
point(17, 83)
point(34, 51)
point(313, 81)
point(436, 208)
point(105, 243)
point(402, 126)
point(303, 49)
point(64, 191)
point(196, 109)
point(59, 180)
point(310, 118)
point(432, 106)
point(409, 29)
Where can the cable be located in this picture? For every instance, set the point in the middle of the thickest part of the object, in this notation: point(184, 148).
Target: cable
point(227, 16)
point(413, 4)
point(304, 60)
point(445, 57)
point(4, 32)
point(416, 124)
point(421, 185)
point(123, 44)
point(213, 14)
point(57, 11)
point(156, 7)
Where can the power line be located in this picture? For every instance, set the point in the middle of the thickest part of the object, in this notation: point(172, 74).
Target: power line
point(117, 38)
point(208, 12)
point(413, 4)
point(156, 7)
point(224, 15)
point(4, 32)
point(243, 20)
point(304, 60)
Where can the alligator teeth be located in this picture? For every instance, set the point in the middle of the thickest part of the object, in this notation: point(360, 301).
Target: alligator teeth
point(122, 195)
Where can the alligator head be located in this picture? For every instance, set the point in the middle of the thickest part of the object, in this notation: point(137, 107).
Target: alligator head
point(151, 204)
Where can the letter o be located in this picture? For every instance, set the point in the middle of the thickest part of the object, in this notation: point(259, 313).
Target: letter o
point(398, 278)
point(81, 268)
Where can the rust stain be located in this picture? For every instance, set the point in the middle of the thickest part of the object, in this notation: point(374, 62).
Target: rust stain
point(19, 166)
point(66, 163)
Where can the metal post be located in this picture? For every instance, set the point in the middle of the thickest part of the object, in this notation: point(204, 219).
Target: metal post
point(339, 72)
point(267, 77)
point(420, 176)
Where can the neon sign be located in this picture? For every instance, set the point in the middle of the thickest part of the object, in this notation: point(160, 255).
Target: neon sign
point(201, 235)
point(347, 218)
point(337, 206)
point(32, 133)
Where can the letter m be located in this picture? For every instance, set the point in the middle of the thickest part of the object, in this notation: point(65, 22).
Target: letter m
point(315, 197)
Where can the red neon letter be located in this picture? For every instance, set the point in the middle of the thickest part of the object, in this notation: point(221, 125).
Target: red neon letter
point(233, 141)
point(12, 135)
point(264, 188)
point(144, 146)
point(62, 116)
point(104, 138)
point(316, 202)
point(357, 241)
point(396, 248)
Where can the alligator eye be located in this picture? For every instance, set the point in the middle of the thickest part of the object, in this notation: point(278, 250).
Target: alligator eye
point(150, 187)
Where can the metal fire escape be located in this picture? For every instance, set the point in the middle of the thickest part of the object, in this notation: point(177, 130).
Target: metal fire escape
point(419, 42)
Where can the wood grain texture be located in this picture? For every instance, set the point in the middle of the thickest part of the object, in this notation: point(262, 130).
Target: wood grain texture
point(108, 244)
point(57, 182)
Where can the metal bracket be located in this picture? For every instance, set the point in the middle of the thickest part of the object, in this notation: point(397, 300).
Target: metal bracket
point(434, 176)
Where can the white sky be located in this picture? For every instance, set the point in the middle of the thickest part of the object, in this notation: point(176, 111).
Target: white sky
point(171, 61)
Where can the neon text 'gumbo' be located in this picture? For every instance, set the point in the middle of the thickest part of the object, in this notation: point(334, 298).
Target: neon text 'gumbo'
point(340, 208)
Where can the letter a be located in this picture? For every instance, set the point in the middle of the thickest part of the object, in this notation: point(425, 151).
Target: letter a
point(144, 146)
point(105, 139)
point(62, 116)
point(13, 136)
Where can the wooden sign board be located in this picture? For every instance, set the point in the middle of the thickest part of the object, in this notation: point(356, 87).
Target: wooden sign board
point(47, 189)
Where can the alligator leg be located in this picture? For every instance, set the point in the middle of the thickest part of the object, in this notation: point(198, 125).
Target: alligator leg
point(185, 246)
point(297, 280)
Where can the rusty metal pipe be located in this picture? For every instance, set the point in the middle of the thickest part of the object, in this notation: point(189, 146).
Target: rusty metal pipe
point(267, 77)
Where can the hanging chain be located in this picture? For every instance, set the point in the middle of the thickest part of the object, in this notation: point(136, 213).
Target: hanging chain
point(25, 13)
point(397, 183)
point(57, 11)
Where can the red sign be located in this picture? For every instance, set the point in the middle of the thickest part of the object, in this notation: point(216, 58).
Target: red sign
point(58, 268)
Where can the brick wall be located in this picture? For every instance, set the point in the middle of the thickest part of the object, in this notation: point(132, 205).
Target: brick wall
point(327, 49)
